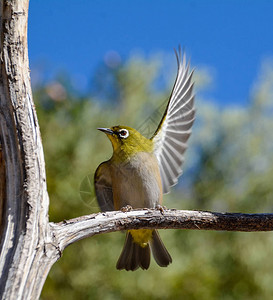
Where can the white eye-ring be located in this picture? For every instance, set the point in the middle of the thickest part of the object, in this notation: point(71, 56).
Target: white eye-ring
point(123, 133)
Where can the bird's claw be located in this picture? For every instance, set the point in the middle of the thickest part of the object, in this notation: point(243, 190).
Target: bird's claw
point(126, 208)
point(160, 208)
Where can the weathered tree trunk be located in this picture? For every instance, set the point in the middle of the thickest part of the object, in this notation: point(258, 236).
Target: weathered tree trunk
point(30, 245)
point(25, 199)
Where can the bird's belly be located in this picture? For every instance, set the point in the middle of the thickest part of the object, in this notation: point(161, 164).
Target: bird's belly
point(137, 183)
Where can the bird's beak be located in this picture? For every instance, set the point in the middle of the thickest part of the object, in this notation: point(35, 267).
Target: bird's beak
point(106, 130)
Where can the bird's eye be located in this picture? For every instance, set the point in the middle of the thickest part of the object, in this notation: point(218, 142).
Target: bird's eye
point(123, 133)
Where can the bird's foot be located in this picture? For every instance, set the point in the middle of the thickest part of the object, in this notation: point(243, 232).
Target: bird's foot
point(126, 208)
point(160, 208)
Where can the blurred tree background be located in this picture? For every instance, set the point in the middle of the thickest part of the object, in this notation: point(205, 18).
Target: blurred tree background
point(228, 168)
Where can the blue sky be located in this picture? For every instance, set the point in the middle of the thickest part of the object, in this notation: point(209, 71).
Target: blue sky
point(232, 37)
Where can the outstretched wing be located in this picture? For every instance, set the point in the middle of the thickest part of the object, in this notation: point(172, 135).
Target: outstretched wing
point(170, 138)
point(103, 187)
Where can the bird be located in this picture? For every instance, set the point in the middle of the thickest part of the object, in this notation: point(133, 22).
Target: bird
point(142, 169)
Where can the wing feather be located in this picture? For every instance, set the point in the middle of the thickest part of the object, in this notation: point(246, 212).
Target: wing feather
point(170, 138)
point(182, 90)
point(103, 187)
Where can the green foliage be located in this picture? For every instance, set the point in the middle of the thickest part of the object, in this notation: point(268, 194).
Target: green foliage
point(228, 168)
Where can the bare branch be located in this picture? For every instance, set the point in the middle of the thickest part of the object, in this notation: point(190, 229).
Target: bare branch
point(70, 231)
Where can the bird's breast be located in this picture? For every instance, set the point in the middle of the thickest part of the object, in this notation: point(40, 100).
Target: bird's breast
point(137, 182)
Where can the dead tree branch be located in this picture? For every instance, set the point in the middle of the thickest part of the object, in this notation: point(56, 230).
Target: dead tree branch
point(68, 232)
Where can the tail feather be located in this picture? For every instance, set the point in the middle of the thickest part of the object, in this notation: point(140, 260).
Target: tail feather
point(144, 257)
point(160, 253)
point(134, 256)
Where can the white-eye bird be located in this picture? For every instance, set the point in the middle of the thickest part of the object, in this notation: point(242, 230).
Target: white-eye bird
point(141, 170)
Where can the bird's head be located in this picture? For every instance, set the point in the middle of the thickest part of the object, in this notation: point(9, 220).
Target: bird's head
point(127, 141)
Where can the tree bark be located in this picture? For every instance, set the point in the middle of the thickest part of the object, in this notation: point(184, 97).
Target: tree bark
point(30, 245)
point(25, 200)
point(71, 231)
